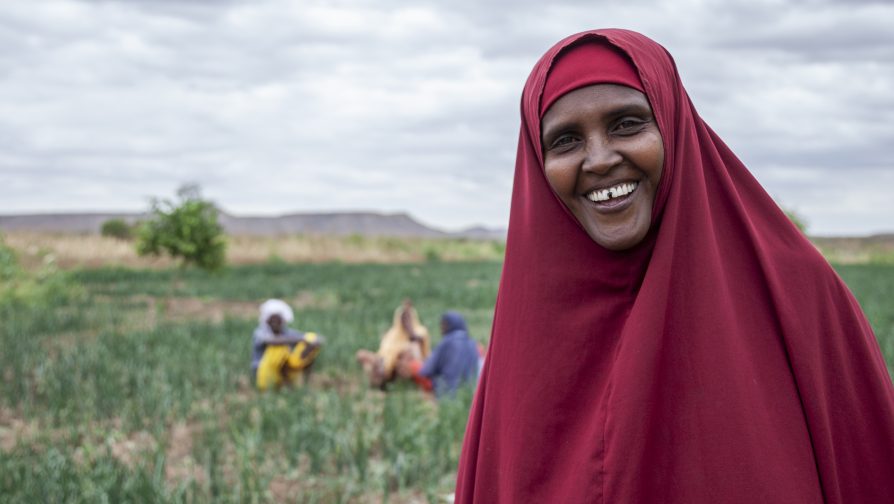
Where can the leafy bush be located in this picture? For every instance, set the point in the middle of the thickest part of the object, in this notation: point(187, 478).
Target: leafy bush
point(797, 219)
point(185, 229)
point(432, 255)
point(19, 287)
point(9, 264)
point(117, 228)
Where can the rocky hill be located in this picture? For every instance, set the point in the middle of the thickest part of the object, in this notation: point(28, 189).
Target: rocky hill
point(63, 222)
point(338, 223)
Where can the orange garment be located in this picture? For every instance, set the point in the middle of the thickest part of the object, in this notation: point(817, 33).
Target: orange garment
point(423, 382)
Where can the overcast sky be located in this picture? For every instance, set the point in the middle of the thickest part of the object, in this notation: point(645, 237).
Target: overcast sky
point(278, 106)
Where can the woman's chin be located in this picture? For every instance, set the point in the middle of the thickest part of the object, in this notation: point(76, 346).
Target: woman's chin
point(618, 238)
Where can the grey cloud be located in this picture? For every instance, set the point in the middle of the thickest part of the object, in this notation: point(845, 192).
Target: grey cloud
point(346, 104)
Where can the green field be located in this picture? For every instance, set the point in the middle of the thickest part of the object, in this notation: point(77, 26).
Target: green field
point(123, 385)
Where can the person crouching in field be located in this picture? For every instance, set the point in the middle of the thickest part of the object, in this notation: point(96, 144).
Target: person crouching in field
point(281, 354)
point(379, 366)
point(455, 360)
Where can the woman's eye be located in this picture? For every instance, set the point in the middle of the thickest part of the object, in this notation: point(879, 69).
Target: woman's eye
point(562, 141)
point(629, 126)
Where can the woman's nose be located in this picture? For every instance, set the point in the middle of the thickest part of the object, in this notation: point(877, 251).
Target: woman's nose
point(600, 156)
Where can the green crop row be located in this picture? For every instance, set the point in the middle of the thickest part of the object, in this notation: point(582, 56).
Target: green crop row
point(110, 397)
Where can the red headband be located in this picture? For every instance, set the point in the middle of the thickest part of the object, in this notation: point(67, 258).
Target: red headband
point(585, 64)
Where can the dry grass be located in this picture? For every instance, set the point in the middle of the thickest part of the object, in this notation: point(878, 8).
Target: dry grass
point(70, 250)
point(86, 250)
point(857, 250)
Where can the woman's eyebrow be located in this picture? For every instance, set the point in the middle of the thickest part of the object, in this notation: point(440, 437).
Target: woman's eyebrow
point(630, 108)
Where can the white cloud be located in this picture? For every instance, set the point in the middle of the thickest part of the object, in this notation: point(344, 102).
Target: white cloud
point(278, 105)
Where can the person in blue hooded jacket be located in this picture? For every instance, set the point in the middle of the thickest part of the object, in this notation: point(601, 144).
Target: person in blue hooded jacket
point(455, 360)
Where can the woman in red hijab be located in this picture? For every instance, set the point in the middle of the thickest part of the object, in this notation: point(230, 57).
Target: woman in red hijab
point(702, 350)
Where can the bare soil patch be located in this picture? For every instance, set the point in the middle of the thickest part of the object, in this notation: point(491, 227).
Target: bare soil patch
point(132, 448)
point(180, 466)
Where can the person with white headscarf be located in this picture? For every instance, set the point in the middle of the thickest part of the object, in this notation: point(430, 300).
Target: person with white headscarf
point(280, 354)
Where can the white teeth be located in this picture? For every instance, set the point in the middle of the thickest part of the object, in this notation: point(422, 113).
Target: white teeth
point(613, 192)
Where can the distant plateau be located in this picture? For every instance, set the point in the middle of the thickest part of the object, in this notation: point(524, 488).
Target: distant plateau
point(336, 223)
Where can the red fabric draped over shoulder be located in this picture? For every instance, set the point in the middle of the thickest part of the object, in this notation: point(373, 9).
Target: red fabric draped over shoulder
point(720, 360)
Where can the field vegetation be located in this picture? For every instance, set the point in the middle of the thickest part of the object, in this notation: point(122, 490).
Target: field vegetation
point(131, 384)
point(126, 379)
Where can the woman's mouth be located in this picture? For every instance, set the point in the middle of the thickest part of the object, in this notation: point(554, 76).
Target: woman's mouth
point(611, 198)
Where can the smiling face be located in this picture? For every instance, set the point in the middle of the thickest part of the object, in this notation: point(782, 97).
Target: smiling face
point(603, 157)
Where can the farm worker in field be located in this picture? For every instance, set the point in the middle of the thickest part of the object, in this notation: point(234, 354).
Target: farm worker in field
point(379, 366)
point(663, 332)
point(409, 363)
point(280, 354)
point(454, 361)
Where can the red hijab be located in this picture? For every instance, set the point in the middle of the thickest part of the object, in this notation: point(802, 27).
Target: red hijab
point(720, 360)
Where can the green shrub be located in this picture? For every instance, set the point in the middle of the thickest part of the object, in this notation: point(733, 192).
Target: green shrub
point(186, 229)
point(9, 263)
point(19, 287)
point(117, 228)
point(796, 219)
point(432, 255)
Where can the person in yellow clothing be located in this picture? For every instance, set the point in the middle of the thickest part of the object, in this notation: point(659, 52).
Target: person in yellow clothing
point(281, 354)
point(405, 328)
